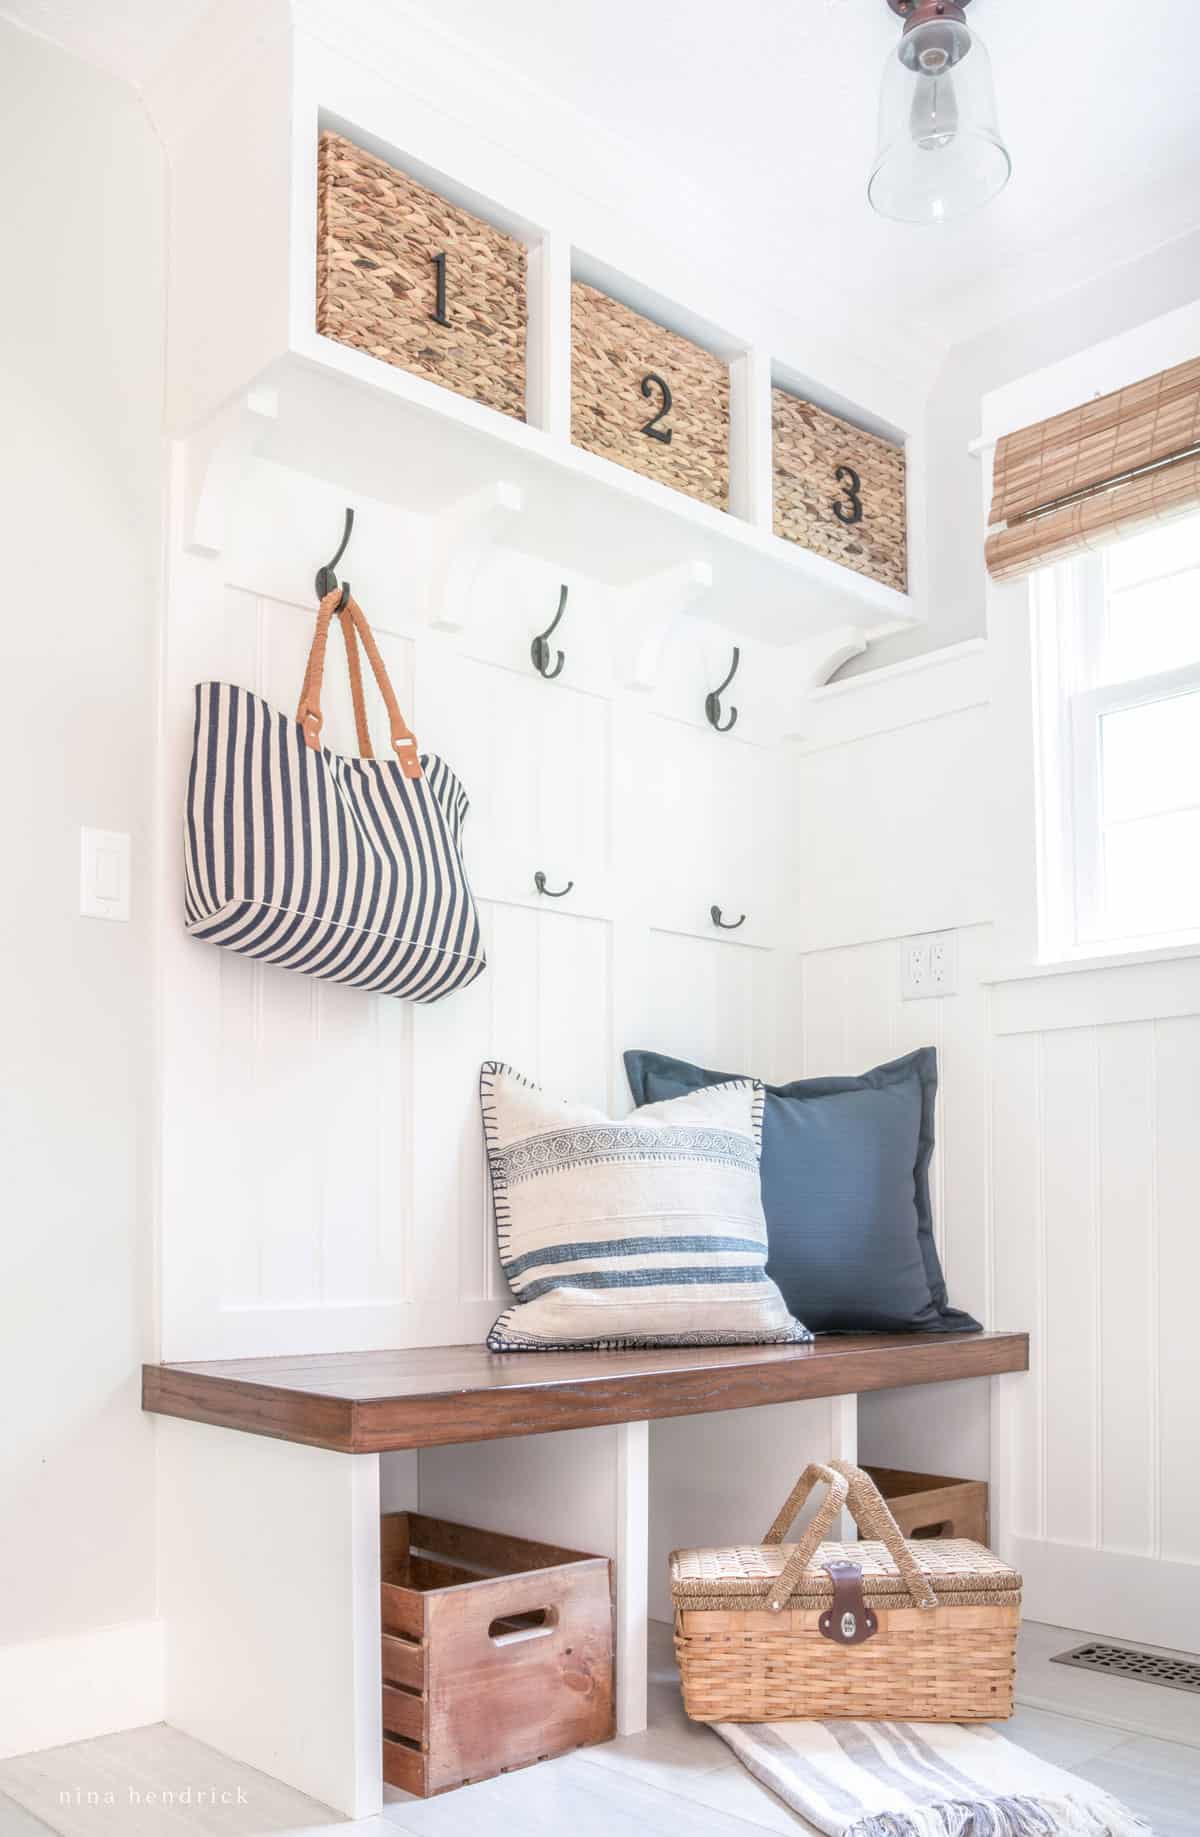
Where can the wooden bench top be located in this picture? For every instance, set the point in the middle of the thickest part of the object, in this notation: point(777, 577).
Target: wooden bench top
point(427, 1397)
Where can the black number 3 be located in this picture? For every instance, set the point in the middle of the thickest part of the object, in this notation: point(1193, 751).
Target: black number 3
point(852, 510)
point(650, 383)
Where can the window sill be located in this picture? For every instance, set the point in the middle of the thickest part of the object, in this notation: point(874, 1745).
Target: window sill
point(1067, 966)
point(1141, 985)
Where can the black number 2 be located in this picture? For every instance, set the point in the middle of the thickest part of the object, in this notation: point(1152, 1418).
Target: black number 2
point(440, 316)
point(852, 510)
point(650, 383)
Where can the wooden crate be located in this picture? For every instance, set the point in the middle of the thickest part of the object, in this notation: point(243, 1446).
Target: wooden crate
point(648, 398)
point(408, 277)
point(932, 1505)
point(497, 1652)
point(839, 491)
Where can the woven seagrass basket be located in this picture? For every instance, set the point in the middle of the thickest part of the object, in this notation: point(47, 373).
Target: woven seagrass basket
point(882, 1629)
point(407, 276)
point(648, 398)
point(838, 490)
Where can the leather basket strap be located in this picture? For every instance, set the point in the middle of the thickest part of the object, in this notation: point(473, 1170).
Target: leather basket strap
point(354, 624)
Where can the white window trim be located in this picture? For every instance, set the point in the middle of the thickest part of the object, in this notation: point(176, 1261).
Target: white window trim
point(1026, 924)
point(1085, 712)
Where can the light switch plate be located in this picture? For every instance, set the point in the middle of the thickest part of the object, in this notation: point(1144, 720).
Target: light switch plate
point(104, 859)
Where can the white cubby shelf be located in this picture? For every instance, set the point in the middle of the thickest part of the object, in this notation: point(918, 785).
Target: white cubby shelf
point(249, 375)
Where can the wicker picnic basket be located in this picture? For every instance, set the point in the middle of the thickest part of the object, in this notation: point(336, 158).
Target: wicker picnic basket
point(884, 1629)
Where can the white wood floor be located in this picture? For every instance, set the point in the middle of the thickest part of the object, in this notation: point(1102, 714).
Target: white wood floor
point(1139, 1741)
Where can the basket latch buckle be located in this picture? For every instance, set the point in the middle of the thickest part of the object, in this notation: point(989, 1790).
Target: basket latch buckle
point(849, 1621)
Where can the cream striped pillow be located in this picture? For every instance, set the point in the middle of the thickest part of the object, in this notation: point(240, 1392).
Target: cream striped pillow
point(646, 1232)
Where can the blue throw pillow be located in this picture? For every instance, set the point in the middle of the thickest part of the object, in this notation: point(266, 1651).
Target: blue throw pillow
point(845, 1177)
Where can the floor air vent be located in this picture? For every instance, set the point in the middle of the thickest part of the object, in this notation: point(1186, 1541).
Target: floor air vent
point(1128, 1662)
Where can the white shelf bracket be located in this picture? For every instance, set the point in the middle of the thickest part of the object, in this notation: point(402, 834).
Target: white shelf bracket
point(464, 538)
point(814, 662)
point(216, 456)
point(654, 606)
point(827, 652)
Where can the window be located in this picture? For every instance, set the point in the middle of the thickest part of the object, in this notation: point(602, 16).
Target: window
point(1117, 650)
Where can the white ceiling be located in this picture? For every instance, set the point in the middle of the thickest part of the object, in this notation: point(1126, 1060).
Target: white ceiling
point(770, 104)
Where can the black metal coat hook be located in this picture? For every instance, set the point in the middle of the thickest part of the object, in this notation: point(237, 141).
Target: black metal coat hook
point(539, 650)
point(539, 881)
point(725, 924)
point(712, 701)
point(327, 578)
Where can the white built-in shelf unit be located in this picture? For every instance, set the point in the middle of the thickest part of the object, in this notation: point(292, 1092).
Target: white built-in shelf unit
point(249, 374)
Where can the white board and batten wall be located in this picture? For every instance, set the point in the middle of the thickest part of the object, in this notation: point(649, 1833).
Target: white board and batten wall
point(1068, 1160)
point(323, 1178)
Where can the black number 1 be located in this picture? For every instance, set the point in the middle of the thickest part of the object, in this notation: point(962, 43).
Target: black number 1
point(852, 510)
point(439, 315)
point(650, 383)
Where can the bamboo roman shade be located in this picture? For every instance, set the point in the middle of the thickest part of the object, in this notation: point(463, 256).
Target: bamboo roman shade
point(1097, 472)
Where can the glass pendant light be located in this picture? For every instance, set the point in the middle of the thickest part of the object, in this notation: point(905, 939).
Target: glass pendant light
point(940, 152)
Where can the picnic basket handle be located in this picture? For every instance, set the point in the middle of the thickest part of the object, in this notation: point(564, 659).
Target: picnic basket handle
point(354, 627)
point(847, 1484)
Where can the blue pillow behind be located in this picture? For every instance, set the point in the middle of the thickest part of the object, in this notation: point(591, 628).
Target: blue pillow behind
point(845, 1177)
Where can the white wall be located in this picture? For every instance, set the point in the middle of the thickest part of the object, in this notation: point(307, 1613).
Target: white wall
point(81, 356)
point(323, 1175)
point(1123, 295)
point(1067, 1161)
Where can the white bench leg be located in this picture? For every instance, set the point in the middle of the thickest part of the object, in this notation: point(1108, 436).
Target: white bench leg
point(269, 1588)
point(633, 1557)
point(843, 1440)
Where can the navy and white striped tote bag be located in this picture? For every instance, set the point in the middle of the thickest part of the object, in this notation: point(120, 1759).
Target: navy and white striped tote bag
point(346, 869)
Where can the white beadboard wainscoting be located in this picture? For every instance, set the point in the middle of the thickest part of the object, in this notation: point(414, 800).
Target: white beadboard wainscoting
point(1067, 1163)
point(321, 1164)
point(1097, 1171)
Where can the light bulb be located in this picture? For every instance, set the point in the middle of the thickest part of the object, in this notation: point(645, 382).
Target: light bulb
point(933, 118)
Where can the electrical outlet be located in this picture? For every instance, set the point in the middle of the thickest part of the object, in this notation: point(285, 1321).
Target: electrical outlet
point(928, 965)
point(914, 968)
point(943, 963)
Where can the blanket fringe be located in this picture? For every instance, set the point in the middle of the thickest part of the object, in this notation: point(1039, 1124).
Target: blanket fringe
point(1012, 1816)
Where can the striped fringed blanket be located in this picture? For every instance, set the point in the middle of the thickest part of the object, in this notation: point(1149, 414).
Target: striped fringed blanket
point(922, 1779)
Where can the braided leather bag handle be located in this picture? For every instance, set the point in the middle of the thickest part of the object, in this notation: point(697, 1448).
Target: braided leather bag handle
point(847, 1484)
point(309, 714)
